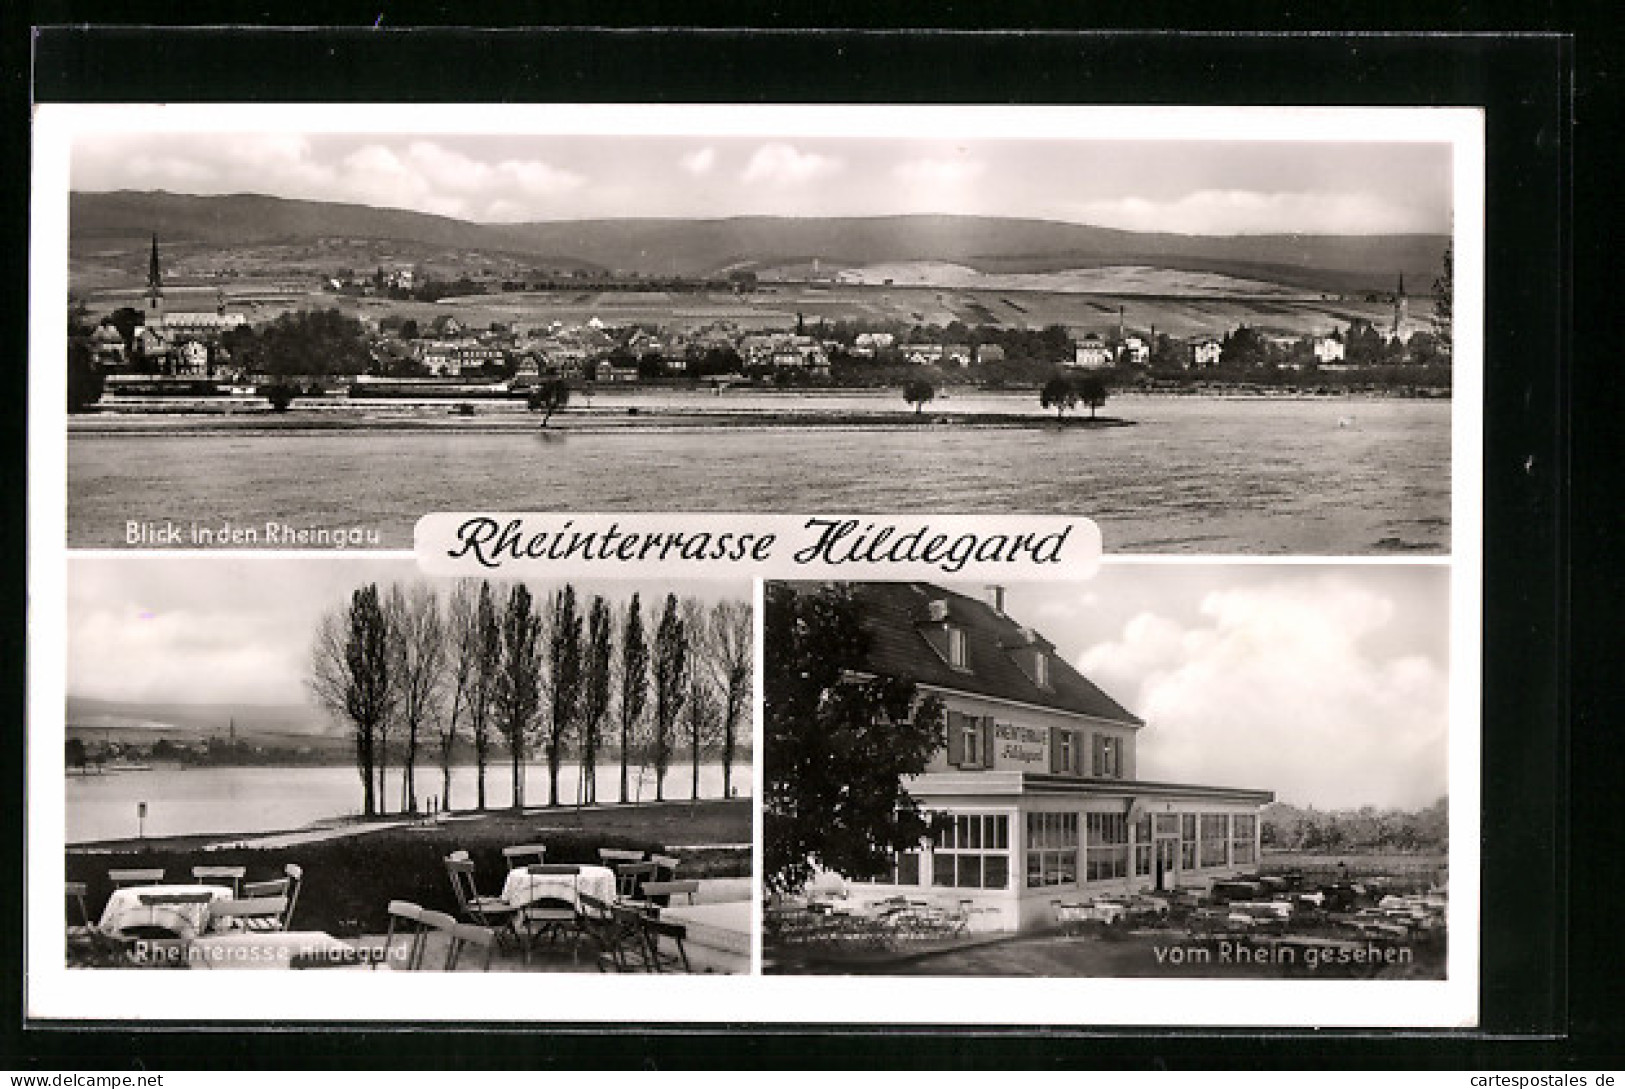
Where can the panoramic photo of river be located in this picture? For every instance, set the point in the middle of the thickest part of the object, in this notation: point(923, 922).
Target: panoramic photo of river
point(1276, 475)
point(197, 800)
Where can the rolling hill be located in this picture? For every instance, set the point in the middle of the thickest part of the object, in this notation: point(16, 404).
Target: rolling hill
point(123, 222)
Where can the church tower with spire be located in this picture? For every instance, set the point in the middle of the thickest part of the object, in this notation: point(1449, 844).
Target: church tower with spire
point(155, 288)
point(1402, 308)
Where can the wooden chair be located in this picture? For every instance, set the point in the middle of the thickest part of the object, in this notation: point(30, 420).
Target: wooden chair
point(279, 887)
point(632, 941)
point(525, 854)
point(665, 867)
point(76, 891)
point(261, 913)
point(488, 911)
point(124, 878)
point(654, 930)
point(630, 878)
point(227, 876)
point(408, 917)
point(296, 877)
point(659, 893)
point(609, 856)
point(86, 944)
point(550, 915)
point(600, 923)
point(465, 934)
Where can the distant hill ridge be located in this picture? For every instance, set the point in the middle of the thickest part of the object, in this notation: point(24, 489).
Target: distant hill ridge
point(711, 246)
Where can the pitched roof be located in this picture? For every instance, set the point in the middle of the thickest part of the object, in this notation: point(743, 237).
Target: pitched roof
point(897, 615)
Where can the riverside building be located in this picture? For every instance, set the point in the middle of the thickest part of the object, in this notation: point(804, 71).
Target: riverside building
point(1039, 778)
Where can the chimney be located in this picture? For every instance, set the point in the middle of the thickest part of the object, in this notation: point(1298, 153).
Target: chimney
point(995, 598)
point(939, 609)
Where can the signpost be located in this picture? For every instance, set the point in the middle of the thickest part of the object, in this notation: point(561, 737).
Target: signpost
point(140, 820)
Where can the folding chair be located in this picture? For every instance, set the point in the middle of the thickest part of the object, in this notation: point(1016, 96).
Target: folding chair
point(659, 893)
point(262, 913)
point(550, 914)
point(609, 856)
point(630, 878)
point(487, 911)
point(656, 929)
point(409, 917)
point(665, 867)
point(464, 934)
point(600, 923)
point(228, 876)
point(123, 878)
point(525, 854)
point(85, 941)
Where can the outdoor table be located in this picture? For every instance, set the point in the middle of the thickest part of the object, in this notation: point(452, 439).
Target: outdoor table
point(523, 887)
point(125, 914)
point(270, 951)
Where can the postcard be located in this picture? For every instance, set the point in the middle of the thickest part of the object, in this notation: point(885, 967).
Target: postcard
point(860, 564)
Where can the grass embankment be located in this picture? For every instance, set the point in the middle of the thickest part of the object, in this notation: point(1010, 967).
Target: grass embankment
point(350, 878)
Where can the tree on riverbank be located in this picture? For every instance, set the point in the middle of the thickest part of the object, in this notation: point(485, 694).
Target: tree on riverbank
point(1058, 393)
point(548, 398)
point(349, 675)
point(837, 749)
point(417, 639)
point(671, 665)
point(732, 651)
point(918, 393)
point(1091, 392)
point(595, 690)
point(564, 677)
point(634, 675)
point(518, 689)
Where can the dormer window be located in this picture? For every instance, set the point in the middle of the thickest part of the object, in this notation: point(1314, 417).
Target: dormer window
point(1041, 670)
point(958, 648)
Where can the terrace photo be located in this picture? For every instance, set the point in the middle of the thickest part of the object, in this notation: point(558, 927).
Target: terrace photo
point(318, 762)
point(1214, 333)
point(1192, 771)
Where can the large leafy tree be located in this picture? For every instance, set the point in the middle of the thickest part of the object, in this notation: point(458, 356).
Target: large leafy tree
point(1091, 391)
point(1059, 393)
point(1444, 301)
point(838, 745)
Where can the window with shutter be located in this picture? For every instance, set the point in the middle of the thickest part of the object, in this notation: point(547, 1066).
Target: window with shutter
point(987, 741)
point(956, 744)
point(1057, 757)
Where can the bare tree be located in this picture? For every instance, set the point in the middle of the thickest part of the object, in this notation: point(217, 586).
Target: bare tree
point(519, 681)
point(417, 660)
point(487, 650)
point(634, 678)
point(349, 675)
point(595, 694)
point(731, 653)
point(462, 673)
point(671, 669)
point(564, 661)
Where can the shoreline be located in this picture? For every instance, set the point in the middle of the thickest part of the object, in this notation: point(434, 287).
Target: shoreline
point(331, 828)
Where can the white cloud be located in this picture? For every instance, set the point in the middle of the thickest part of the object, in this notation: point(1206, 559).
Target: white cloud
point(1284, 687)
point(699, 162)
point(1243, 211)
point(781, 164)
point(938, 173)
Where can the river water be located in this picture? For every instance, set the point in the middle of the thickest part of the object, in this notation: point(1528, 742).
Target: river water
point(1328, 476)
point(270, 799)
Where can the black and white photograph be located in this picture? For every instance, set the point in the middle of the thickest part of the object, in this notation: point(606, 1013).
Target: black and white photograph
point(1167, 772)
point(285, 334)
point(312, 763)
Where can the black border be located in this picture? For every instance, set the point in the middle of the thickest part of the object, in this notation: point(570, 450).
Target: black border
point(1526, 85)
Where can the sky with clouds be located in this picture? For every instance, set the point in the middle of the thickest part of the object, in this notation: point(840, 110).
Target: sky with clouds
point(226, 630)
point(1185, 187)
point(1326, 684)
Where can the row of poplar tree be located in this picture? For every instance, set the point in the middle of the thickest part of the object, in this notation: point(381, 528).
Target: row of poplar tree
point(497, 668)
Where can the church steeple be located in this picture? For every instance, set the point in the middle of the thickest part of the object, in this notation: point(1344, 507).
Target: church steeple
point(1401, 309)
point(155, 287)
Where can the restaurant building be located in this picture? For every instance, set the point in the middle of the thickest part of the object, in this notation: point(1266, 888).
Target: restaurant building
point(1038, 780)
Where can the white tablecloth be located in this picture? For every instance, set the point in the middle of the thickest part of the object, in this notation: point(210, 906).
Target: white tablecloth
point(125, 911)
point(522, 888)
point(271, 950)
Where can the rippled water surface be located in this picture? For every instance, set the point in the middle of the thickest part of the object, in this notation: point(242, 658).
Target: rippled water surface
point(1204, 475)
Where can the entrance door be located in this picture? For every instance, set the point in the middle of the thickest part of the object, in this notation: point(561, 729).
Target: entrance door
point(1167, 855)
